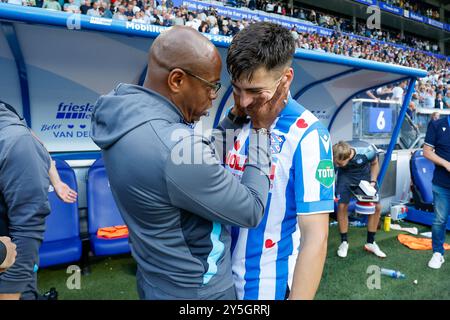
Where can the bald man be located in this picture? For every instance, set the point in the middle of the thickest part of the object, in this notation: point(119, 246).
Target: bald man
point(169, 183)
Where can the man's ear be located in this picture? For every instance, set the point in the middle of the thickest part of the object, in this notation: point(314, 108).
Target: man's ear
point(289, 76)
point(176, 80)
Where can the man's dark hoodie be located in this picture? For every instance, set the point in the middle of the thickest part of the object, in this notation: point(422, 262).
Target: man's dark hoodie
point(24, 182)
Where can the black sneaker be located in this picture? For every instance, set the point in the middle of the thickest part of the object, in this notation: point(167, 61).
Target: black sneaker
point(52, 294)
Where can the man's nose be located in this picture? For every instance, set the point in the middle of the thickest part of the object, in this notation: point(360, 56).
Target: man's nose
point(245, 100)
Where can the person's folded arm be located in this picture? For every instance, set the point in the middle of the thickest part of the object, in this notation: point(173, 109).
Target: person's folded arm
point(202, 186)
point(428, 152)
point(224, 134)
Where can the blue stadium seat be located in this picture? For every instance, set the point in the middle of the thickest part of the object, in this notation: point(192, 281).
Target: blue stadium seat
point(421, 210)
point(422, 171)
point(103, 212)
point(62, 243)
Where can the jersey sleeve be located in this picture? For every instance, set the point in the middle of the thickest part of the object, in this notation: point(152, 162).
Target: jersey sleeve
point(314, 172)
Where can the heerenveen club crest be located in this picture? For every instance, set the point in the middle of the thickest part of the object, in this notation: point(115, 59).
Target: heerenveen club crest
point(276, 143)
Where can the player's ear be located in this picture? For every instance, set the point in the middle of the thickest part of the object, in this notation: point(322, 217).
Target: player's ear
point(289, 75)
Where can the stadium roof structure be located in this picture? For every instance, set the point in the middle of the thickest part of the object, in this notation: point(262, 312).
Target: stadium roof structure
point(47, 57)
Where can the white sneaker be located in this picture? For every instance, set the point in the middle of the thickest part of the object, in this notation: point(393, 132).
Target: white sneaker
point(343, 249)
point(436, 261)
point(375, 249)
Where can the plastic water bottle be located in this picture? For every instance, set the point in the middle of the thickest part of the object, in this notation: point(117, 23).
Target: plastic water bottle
point(392, 273)
point(358, 224)
point(387, 223)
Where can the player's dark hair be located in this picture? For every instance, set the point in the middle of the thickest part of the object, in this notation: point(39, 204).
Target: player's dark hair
point(260, 44)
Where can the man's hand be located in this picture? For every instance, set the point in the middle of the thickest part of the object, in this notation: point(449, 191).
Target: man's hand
point(238, 111)
point(264, 112)
point(10, 253)
point(447, 166)
point(65, 193)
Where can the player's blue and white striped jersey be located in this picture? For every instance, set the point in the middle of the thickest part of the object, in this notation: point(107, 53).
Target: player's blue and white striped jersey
point(302, 182)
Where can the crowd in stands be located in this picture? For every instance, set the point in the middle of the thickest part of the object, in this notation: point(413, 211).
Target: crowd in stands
point(418, 7)
point(163, 13)
point(431, 92)
point(340, 24)
point(415, 6)
point(429, 89)
point(367, 49)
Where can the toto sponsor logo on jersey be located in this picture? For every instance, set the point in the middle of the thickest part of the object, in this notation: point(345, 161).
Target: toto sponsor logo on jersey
point(325, 173)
